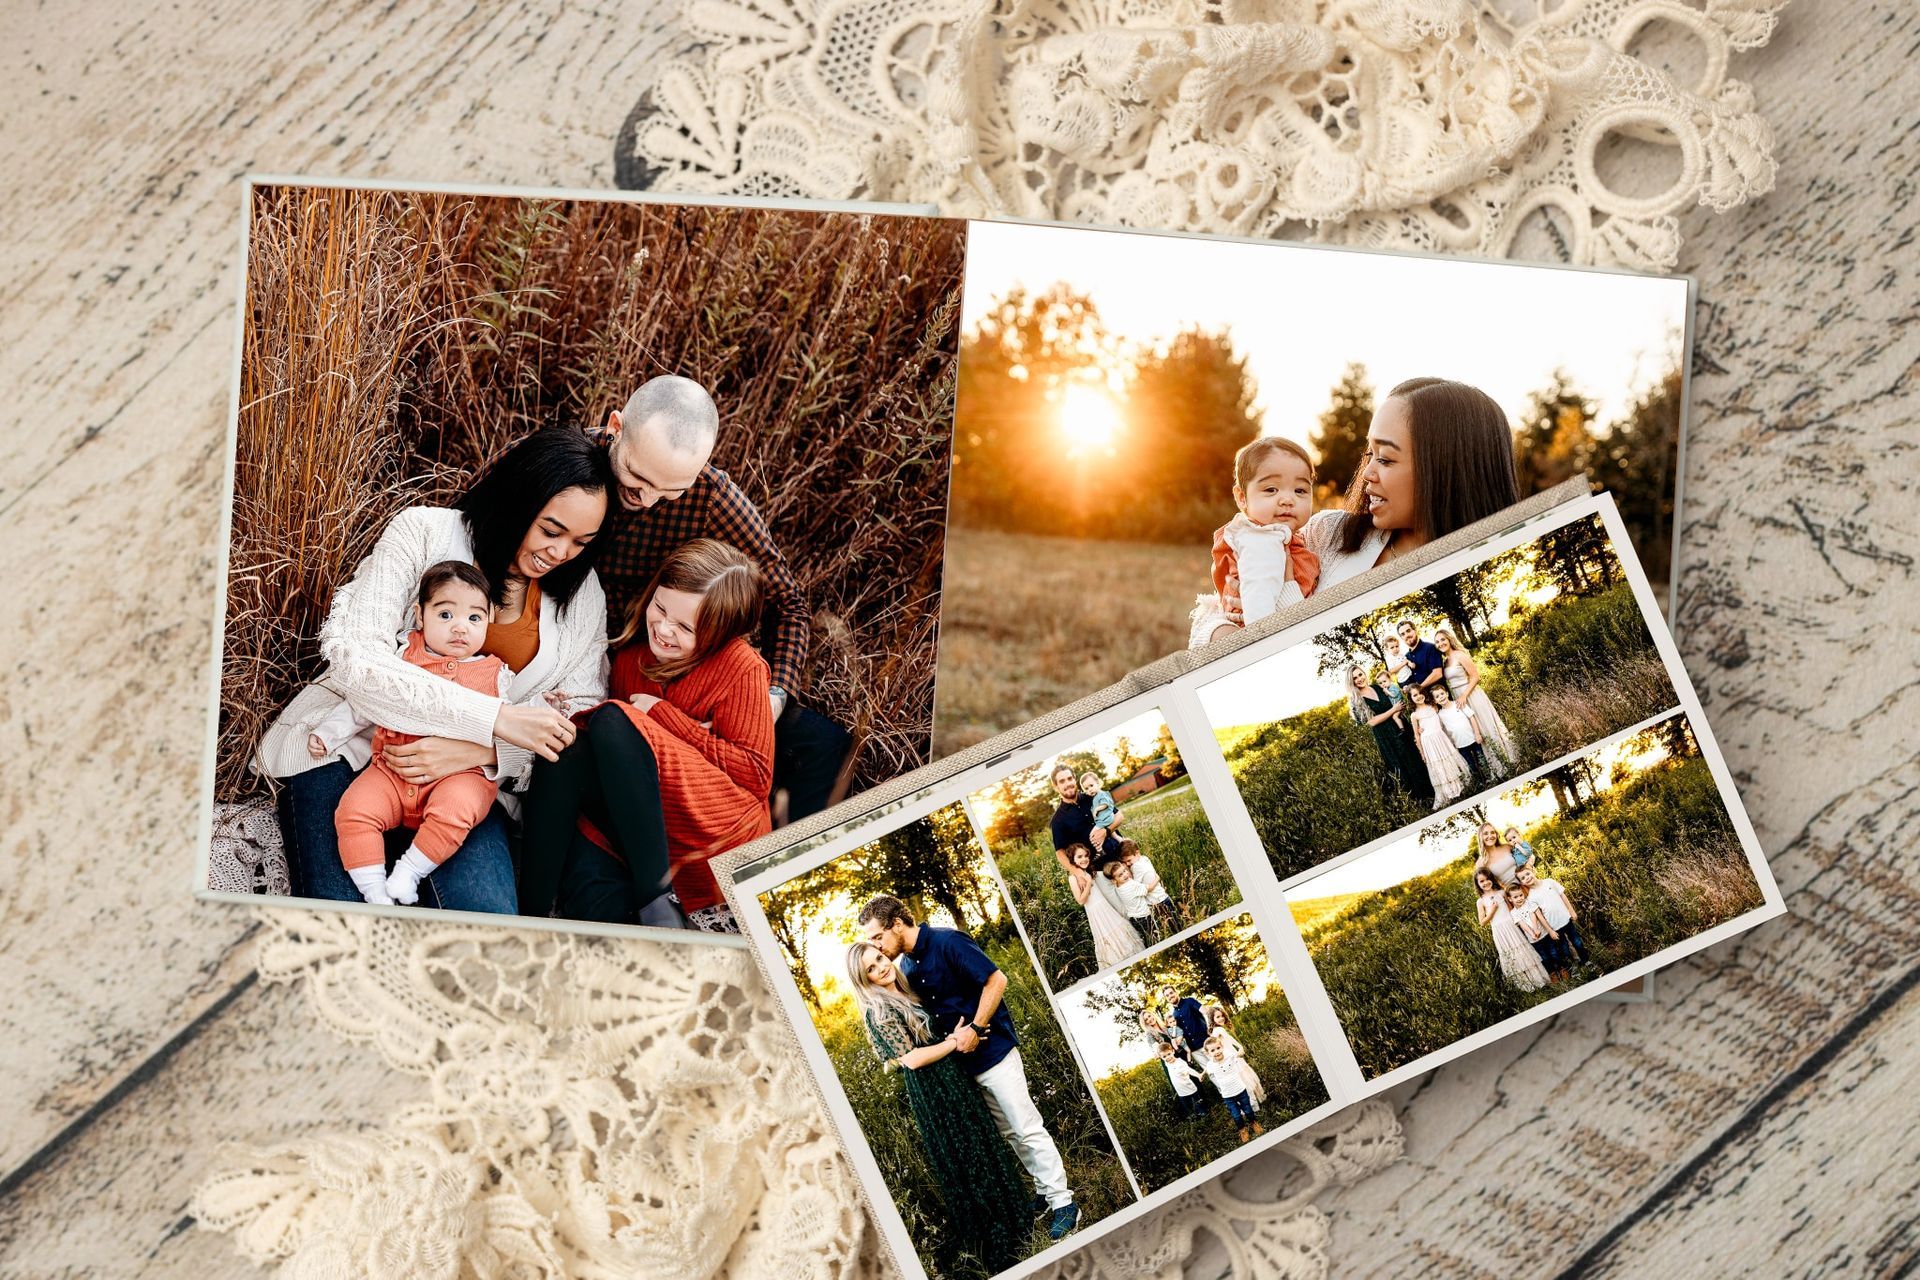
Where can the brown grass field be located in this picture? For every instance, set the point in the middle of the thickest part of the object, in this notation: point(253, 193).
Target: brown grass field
point(1029, 623)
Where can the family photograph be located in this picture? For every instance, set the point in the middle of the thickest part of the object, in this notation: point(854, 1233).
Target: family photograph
point(1163, 450)
point(1435, 697)
point(944, 1043)
point(1609, 857)
point(1105, 848)
point(1195, 1051)
point(552, 533)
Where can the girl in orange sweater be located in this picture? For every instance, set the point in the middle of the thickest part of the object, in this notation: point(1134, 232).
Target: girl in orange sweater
point(674, 769)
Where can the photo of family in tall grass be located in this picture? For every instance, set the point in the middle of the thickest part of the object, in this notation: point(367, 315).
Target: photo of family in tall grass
point(1608, 857)
point(943, 1041)
point(1415, 705)
point(1194, 1051)
point(552, 542)
point(1105, 848)
point(1148, 457)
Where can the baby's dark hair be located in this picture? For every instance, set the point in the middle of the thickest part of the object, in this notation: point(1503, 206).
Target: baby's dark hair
point(1247, 462)
point(439, 575)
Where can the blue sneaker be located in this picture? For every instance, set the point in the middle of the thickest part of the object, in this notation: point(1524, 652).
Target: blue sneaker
point(1064, 1219)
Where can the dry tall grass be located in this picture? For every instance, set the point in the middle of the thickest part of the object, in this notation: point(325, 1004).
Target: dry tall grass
point(395, 343)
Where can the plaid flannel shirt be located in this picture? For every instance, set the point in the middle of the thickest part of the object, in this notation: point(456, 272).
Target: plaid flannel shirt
point(713, 508)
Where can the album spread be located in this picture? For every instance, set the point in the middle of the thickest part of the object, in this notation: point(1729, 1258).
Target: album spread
point(575, 540)
point(1103, 957)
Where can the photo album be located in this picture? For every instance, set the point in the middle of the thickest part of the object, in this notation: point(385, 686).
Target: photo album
point(1168, 926)
point(576, 540)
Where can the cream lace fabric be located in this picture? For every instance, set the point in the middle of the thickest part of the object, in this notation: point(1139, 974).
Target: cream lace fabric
point(1417, 124)
point(601, 1109)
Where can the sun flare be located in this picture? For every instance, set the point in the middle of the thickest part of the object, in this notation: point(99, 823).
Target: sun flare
point(1089, 418)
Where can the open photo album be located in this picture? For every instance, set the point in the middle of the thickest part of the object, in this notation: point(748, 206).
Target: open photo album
point(577, 540)
point(1050, 984)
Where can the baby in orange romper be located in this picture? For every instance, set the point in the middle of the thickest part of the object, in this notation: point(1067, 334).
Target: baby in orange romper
point(451, 614)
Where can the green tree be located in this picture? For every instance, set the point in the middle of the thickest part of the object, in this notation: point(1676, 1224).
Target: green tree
point(1634, 459)
point(1552, 443)
point(1340, 437)
point(1164, 745)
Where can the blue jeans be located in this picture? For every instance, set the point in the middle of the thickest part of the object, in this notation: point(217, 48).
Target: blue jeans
point(478, 877)
point(1240, 1107)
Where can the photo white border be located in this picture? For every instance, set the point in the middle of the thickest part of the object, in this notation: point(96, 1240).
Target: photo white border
point(203, 854)
point(1178, 702)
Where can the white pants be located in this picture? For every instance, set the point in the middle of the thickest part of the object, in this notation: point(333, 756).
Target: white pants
point(1004, 1086)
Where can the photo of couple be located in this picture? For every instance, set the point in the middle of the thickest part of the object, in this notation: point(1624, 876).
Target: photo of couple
point(1194, 1051)
point(1607, 857)
point(1105, 848)
point(1429, 699)
point(1264, 454)
point(941, 1034)
point(549, 575)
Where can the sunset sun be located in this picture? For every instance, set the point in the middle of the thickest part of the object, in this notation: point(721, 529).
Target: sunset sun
point(1089, 417)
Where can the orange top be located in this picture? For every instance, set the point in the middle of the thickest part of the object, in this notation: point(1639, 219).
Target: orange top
point(1305, 564)
point(515, 643)
point(480, 673)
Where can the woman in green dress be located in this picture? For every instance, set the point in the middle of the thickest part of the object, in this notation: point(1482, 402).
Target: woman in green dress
point(989, 1208)
point(1379, 711)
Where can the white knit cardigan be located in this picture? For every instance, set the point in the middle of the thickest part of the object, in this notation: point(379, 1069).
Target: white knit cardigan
point(365, 634)
point(1321, 533)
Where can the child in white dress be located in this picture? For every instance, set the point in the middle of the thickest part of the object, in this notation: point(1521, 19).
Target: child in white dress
point(1447, 769)
point(1273, 487)
point(1519, 962)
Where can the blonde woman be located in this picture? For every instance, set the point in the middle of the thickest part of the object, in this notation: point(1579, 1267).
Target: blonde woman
point(1217, 1024)
point(988, 1208)
point(1463, 682)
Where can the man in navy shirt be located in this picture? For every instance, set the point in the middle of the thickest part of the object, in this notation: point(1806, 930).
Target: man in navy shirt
point(1425, 665)
point(961, 988)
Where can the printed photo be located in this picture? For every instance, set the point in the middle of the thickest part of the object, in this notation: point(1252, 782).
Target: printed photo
point(942, 1039)
point(1105, 848)
point(1410, 707)
point(555, 525)
point(1608, 857)
point(1194, 1051)
point(1158, 438)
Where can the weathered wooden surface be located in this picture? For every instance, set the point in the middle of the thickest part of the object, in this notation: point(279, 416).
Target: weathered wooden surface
point(1752, 1120)
point(1758, 1118)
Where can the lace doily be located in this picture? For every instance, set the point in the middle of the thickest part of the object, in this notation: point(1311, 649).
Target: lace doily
point(606, 1109)
point(1420, 124)
point(609, 1109)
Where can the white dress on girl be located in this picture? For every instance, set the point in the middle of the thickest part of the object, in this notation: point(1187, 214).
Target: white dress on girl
point(1446, 767)
point(1114, 940)
point(1519, 962)
point(1493, 730)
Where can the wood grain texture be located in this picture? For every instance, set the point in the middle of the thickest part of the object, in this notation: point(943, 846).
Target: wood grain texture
point(132, 135)
point(1726, 1128)
point(1751, 1119)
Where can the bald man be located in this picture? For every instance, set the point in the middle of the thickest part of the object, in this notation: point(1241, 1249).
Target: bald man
point(661, 445)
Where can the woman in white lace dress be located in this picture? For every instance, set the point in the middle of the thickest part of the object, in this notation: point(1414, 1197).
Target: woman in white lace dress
point(527, 524)
point(1447, 769)
point(1439, 457)
point(1463, 682)
point(1519, 962)
point(1114, 940)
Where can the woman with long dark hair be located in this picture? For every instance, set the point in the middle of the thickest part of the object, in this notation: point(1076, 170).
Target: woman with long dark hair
point(1439, 457)
point(528, 524)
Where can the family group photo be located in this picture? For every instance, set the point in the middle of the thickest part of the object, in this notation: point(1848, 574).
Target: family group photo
point(553, 532)
point(945, 1045)
point(1609, 857)
point(1408, 708)
point(1105, 848)
point(1152, 458)
point(1194, 1051)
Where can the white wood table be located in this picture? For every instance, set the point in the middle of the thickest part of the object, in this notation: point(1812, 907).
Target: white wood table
point(1758, 1118)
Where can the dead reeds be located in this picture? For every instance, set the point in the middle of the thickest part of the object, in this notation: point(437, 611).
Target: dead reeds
point(395, 343)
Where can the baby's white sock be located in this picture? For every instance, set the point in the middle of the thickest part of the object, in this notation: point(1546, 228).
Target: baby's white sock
point(372, 884)
point(404, 884)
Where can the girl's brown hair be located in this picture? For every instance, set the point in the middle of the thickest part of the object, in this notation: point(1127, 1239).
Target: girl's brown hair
point(1246, 463)
point(1462, 460)
point(731, 599)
